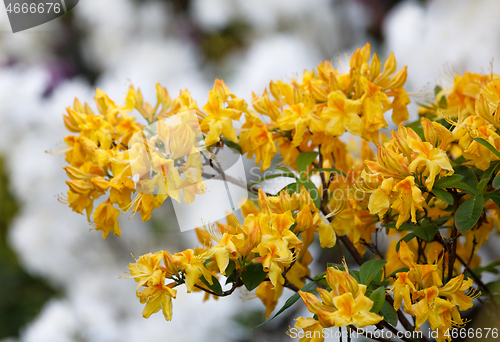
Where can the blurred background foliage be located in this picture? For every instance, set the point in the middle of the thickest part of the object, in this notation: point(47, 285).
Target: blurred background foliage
point(21, 295)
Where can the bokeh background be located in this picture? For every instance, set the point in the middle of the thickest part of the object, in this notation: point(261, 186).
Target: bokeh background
point(59, 280)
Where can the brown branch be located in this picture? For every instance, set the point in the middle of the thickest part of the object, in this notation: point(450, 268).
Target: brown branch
point(454, 235)
point(354, 252)
point(290, 286)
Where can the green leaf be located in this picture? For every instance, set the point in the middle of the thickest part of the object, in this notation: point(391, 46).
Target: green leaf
point(390, 315)
point(446, 182)
point(253, 275)
point(304, 160)
point(465, 187)
point(290, 188)
point(468, 213)
point(334, 265)
point(493, 287)
point(404, 269)
point(378, 298)
point(377, 278)
point(488, 145)
point(406, 239)
point(417, 127)
point(326, 170)
point(443, 219)
point(443, 195)
point(496, 182)
point(369, 269)
point(320, 276)
point(313, 191)
point(232, 145)
point(406, 226)
point(229, 272)
point(288, 172)
point(289, 302)
point(356, 275)
point(469, 176)
point(437, 90)
point(426, 231)
point(495, 197)
point(485, 178)
point(491, 268)
point(276, 175)
point(458, 161)
point(215, 287)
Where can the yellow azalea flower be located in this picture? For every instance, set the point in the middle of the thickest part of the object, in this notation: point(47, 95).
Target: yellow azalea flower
point(277, 232)
point(273, 262)
point(269, 295)
point(219, 120)
point(389, 163)
point(487, 105)
point(342, 282)
point(263, 105)
point(342, 114)
point(193, 183)
point(423, 307)
point(408, 201)
point(315, 306)
point(405, 255)
point(373, 115)
point(431, 161)
point(106, 219)
point(121, 191)
point(436, 134)
point(296, 117)
point(313, 330)
point(341, 310)
point(255, 138)
point(355, 311)
point(327, 236)
point(172, 184)
point(252, 233)
point(158, 297)
point(299, 270)
point(454, 291)
point(147, 271)
point(479, 153)
point(403, 288)
point(440, 313)
point(224, 250)
point(380, 199)
point(191, 264)
point(400, 104)
point(304, 219)
point(145, 203)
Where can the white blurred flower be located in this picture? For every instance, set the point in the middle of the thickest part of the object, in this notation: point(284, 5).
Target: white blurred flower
point(443, 34)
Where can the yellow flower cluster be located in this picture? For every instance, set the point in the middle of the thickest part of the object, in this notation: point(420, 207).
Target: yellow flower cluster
point(268, 236)
point(112, 153)
point(326, 103)
point(471, 106)
point(424, 296)
point(345, 304)
point(402, 166)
